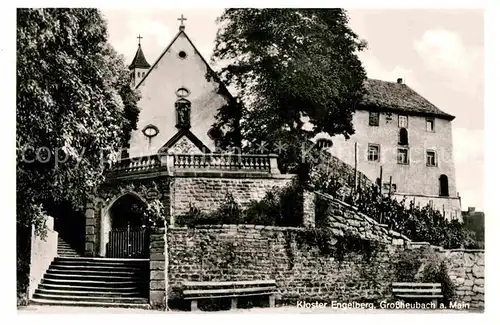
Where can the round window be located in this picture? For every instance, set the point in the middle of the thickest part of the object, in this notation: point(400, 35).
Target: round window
point(182, 92)
point(150, 131)
point(182, 54)
point(214, 133)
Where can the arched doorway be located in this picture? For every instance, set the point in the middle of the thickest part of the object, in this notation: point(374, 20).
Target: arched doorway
point(128, 236)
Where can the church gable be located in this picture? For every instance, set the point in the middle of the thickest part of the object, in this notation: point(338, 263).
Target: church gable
point(184, 145)
point(178, 75)
point(184, 142)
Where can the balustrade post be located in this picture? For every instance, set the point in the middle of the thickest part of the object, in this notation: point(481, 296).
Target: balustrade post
point(163, 159)
point(170, 161)
point(273, 164)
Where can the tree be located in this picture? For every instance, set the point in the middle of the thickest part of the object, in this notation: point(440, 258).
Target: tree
point(75, 107)
point(297, 73)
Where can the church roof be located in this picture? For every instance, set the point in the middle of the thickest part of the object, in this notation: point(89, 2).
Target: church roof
point(398, 97)
point(139, 60)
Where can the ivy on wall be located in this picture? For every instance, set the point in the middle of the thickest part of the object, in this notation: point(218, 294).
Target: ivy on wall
point(279, 207)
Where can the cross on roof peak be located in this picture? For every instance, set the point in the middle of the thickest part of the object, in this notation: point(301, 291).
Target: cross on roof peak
point(139, 38)
point(181, 19)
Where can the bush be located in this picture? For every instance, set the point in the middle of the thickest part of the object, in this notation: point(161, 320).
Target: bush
point(417, 223)
point(279, 207)
point(439, 274)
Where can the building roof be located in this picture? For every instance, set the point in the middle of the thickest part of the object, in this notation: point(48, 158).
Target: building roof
point(139, 60)
point(398, 97)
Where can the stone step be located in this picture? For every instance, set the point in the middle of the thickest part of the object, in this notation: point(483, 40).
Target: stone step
point(101, 261)
point(94, 272)
point(50, 302)
point(96, 277)
point(97, 264)
point(82, 293)
point(94, 283)
point(66, 267)
point(88, 281)
point(117, 289)
point(133, 300)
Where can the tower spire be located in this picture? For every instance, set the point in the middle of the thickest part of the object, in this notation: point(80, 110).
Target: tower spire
point(139, 60)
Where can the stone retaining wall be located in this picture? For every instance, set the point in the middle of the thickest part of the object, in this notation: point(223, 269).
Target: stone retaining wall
point(343, 218)
point(207, 193)
point(303, 271)
point(466, 269)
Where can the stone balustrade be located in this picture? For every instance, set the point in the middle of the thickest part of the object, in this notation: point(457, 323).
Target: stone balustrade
point(136, 164)
point(224, 162)
point(213, 162)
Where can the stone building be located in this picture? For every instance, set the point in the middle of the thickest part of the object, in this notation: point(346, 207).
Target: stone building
point(404, 138)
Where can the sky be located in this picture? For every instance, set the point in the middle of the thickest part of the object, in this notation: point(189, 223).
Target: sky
point(438, 53)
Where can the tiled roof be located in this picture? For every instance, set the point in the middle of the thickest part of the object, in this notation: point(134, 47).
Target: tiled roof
point(398, 97)
point(139, 60)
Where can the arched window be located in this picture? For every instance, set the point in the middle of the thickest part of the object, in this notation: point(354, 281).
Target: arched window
point(183, 108)
point(443, 186)
point(403, 137)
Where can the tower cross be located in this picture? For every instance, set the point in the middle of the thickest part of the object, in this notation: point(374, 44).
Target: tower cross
point(139, 38)
point(182, 20)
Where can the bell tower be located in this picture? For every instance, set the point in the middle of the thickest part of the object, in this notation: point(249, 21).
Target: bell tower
point(139, 66)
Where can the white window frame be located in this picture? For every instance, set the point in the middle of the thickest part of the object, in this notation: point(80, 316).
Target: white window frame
point(407, 156)
point(427, 158)
point(432, 120)
point(403, 117)
point(373, 145)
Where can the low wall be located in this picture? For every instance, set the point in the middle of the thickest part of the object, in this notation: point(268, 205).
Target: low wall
point(302, 270)
point(43, 252)
point(157, 267)
point(343, 219)
point(466, 269)
point(208, 192)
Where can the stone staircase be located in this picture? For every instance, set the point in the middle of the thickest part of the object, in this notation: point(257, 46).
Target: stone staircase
point(97, 282)
point(65, 250)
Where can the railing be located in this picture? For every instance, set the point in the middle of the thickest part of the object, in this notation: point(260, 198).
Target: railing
point(223, 162)
point(198, 162)
point(136, 164)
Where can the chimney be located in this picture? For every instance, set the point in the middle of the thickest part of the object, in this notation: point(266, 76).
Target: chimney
point(471, 210)
point(400, 80)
